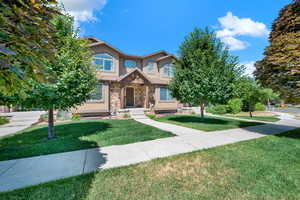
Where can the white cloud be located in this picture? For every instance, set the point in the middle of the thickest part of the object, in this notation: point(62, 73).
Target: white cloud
point(234, 44)
point(232, 26)
point(83, 10)
point(249, 67)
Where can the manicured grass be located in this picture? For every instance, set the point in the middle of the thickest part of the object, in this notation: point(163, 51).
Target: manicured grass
point(259, 118)
point(265, 168)
point(3, 120)
point(206, 124)
point(76, 135)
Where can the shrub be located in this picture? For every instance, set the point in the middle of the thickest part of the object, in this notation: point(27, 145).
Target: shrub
point(217, 109)
point(44, 117)
point(3, 120)
point(260, 107)
point(151, 116)
point(235, 105)
point(75, 117)
point(126, 116)
point(277, 105)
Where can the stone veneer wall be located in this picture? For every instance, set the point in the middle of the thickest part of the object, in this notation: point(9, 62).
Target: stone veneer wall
point(115, 93)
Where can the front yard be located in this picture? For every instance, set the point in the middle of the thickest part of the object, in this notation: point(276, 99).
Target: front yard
point(206, 124)
point(74, 136)
point(265, 168)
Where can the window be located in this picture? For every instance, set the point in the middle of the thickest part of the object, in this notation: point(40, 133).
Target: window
point(169, 70)
point(97, 95)
point(165, 94)
point(130, 63)
point(103, 62)
point(150, 66)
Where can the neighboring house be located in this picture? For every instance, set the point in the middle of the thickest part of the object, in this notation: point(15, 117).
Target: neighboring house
point(129, 81)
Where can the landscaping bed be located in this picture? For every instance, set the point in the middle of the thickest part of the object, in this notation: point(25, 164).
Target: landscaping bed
point(76, 135)
point(265, 168)
point(4, 120)
point(207, 124)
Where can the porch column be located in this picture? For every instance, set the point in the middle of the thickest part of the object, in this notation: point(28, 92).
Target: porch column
point(147, 97)
point(122, 97)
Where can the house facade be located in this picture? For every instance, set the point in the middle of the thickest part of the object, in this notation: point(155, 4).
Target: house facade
point(129, 81)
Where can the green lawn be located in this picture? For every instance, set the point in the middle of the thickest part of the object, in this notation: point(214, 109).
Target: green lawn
point(206, 124)
point(259, 118)
point(265, 168)
point(3, 120)
point(76, 135)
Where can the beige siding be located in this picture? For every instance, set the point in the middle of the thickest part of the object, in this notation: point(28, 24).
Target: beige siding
point(124, 70)
point(164, 104)
point(96, 106)
point(161, 70)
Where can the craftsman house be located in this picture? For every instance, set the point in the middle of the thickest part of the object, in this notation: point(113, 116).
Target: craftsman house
point(129, 81)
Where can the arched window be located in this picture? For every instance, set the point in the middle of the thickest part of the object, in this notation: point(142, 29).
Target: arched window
point(130, 63)
point(168, 70)
point(103, 62)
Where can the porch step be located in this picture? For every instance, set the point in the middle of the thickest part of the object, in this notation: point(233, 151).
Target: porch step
point(137, 113)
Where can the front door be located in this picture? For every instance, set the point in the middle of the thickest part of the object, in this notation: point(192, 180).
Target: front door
point(129, 97)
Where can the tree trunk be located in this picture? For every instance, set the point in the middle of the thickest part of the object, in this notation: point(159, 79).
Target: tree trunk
point(202, 110)
point(250, 109)
point(50, 124)
point(269, 105)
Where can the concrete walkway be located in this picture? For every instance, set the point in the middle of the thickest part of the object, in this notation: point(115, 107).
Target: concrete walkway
point(29, 171)
point(19, 121)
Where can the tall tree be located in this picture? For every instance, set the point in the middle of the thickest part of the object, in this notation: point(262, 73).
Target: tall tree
point(280, 68)
point(205, 72)
point(27, 41)
point(74, 78)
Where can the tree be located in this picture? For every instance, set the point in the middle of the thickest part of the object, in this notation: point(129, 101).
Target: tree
point(27, 41)
point(204, 72)
point(280, 68)
point(248, 90)
point(267, 95)
point(74, 79)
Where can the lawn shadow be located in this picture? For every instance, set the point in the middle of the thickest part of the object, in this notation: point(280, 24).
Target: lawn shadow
point(197, 119)
point(33, 142)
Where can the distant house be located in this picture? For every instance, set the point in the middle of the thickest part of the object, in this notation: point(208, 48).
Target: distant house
point(129, 81)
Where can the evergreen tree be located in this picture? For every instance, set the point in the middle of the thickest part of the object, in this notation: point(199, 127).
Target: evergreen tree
point(280, 68)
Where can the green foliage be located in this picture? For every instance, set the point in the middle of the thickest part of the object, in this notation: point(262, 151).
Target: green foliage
point(151, 116)
point(27, 42)
point(74, 78)
point(63, 115)
point(205, 72)
point(3, 120)
point(44, 117)
point(260, 107)
point(267, 95)
point(217, 109)
point(75, 117)
point(277, 105)
point(126, 116)
point(235, 105)
point(280, 68)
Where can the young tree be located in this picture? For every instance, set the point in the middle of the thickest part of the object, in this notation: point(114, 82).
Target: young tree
point(267, 95)
point(27, 41)
point(74, 78)
point(205, 72)
point(280, 68)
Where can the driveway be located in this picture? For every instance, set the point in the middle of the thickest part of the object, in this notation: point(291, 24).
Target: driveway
point(19, 121)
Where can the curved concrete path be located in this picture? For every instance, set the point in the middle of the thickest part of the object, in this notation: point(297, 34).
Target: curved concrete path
point(19, 121)
point(29, 171)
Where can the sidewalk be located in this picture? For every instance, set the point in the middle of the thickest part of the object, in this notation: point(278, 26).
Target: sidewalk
point(29, 171)
point(19, 121)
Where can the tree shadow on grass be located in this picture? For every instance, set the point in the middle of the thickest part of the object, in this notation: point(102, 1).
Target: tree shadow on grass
point(32, 142)
point(195, 119)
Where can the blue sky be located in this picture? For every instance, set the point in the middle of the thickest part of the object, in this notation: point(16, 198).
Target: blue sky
point(141, 27)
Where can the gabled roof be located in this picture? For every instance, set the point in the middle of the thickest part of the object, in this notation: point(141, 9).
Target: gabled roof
point(165, 57)
point(135, 70)
point(96, 42)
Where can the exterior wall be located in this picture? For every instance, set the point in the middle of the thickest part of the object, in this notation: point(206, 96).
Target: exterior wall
point(161, 71)
point(124, 70)
point(116, 63)
point(164, 104)
point(115, 92)
point(96, 106)
point(155, 73)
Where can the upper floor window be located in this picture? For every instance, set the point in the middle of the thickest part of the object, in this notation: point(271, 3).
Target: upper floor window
point(97, 94)
point(103, 62)
point(165, 94)
point(168, 70)
point(130, 63)
point(150, 66)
